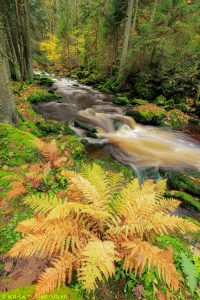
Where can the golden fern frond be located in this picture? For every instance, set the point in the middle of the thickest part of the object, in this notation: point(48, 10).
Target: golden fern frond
point(165, 224)
point(32, 226)
point(167, 205)
point(98, 178)
point(160, 187)
point(42, 203)
point(114, 182)
point(28, 246)
point(56, 276)
point(52, 237)
point(141, 254)
point(90, 192)
point(64, 210)
point(97, 261)
point(128, 193)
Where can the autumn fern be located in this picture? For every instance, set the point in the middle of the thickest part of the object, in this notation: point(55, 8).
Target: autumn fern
point(104, 222)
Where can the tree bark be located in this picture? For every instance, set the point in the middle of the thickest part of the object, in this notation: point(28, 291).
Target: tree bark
point(8, 112)
point(126, 39)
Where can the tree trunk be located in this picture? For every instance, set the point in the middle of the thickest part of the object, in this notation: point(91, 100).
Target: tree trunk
point(126, 39)
point(135, 15)
point(8, 113)
point(28, 48)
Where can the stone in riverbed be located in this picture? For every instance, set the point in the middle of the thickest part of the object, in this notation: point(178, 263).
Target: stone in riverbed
point(85, 126)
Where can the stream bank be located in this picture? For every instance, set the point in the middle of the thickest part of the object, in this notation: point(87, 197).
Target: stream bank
point(74, 108)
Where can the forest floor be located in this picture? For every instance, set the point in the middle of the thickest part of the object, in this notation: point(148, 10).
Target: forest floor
point(34, 157)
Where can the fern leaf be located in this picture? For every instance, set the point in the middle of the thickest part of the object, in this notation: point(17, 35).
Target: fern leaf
point(98, 261)
point(141, 254)
point(160, 187)
point(67, 208)
point(98, 178)
point(56, 276)
point(190, 271)
point(114, 182)
point(165, 224)
point(27, 247)
point(89, 192)
point(42, 203)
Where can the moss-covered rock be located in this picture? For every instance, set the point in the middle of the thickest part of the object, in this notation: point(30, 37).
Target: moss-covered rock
point(41, 96)
point(174, 119)
point(138, 102)
point(43, 81)
point(183, 182)
point(147, 113)
point(121, 100)
point(16, 146)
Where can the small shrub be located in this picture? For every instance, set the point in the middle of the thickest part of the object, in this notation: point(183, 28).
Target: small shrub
point(175, 119)
point(160, 100)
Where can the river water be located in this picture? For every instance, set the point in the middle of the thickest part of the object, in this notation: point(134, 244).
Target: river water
point(95, 119)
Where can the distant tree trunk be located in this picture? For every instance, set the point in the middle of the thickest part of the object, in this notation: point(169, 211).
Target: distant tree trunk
point(27, 39)
point(126, 39)
point(8, 113)
point(135, 14)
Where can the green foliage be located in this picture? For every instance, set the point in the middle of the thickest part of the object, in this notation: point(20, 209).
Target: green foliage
point(160, 100)
point(138, 102)
point(25, 293)
point(121, 100)
point(8, 234)
point(41, 96)
point(190, 271)
point(16, 147)
point(43, 81)
point(174, 119)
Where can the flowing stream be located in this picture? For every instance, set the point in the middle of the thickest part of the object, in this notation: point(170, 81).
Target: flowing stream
point(94, 118)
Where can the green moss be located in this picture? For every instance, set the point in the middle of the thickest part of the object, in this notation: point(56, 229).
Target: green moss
point(180, 181)
point(16, 147)
point(186, 198)
point(43, 81)
point(121, 100)
point(138, 102)
point(48, 127)
point(104, 89)
point(25, 293)
point(147, 113)
point(42, 96)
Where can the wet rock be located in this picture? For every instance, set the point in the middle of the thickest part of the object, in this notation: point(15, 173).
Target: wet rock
point(85, 126)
